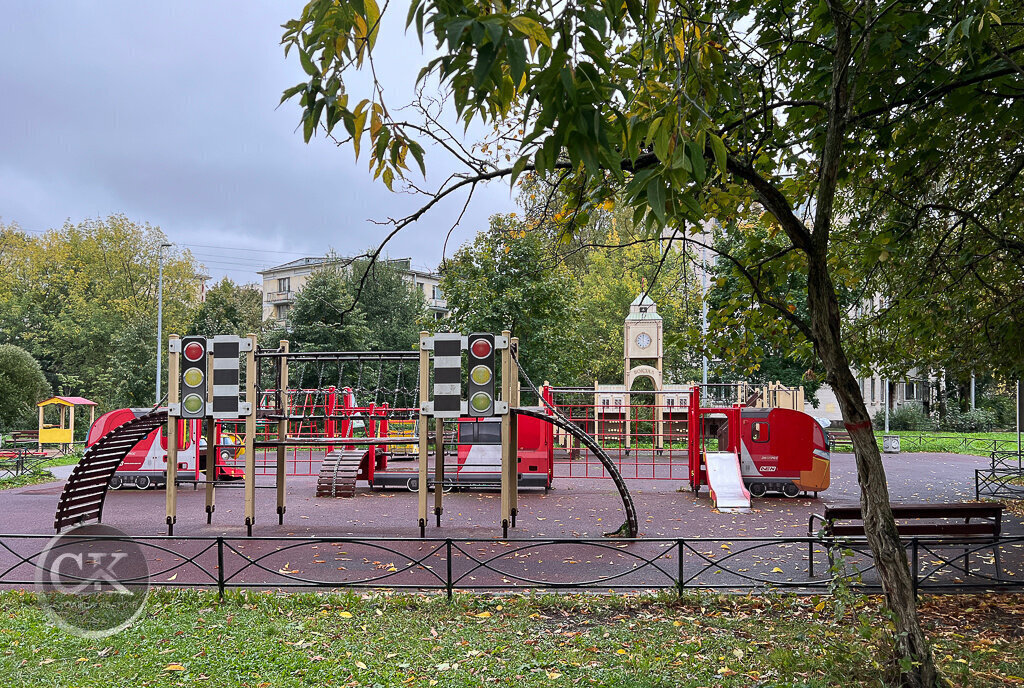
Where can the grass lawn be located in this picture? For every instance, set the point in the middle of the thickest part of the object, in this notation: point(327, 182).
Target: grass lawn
point(41, 475)
point(262, 640)
point(974, 443)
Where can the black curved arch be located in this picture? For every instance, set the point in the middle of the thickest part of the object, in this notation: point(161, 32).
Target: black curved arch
point(86, 488)
point(631, 526)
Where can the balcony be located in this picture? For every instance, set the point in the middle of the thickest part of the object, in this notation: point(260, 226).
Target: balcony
point(279, 296)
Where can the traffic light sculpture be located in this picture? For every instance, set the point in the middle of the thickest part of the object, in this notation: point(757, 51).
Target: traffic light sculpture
point(481, 402)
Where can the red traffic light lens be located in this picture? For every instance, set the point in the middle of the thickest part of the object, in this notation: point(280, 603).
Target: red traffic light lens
point(193, 351)
point(481, 348)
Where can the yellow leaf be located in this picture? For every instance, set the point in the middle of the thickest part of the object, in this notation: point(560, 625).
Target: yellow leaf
point(174, 667)
point(553, 675)
point(345, 615)
point(360, 665)
point(776, 570)
point(620, 651)
point(531, 29)
point(677, 624)
point(819, 606)
point(81, 659)
point(483, 615)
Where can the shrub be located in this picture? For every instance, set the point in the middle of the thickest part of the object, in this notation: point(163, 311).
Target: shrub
point(978, 420)
point(1004, 408)
point(905, 417)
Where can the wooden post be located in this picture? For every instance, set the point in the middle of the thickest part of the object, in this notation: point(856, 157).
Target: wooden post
point(507, 467)
point(39, 435)
point(212, 450)
point(282, 429)
point(71, 426)
point(173, 397)
point(423, 430)
point(438, 468)
point(250, 436)
point(514, 401)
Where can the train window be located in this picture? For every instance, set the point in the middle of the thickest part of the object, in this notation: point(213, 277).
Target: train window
point(759, 432)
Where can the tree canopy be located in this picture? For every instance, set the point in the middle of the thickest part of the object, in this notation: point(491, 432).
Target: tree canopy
point(22, 386)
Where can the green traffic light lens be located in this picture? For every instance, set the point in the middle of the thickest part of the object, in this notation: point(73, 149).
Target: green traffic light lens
point(481, 402)
point(193, 403)
point(481, 375)
point(193, 377)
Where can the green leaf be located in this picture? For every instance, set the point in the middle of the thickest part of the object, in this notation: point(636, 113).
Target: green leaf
point(531, 29)
point(656, 198)
point(718, 149)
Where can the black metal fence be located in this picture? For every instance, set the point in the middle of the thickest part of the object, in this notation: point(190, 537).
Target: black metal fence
point(16, 462)
point(1004, 479)
point(449, 565)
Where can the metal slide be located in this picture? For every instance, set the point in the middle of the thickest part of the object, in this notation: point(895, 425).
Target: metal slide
point(726, 481)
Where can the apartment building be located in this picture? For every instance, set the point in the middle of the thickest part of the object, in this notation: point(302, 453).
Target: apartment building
point(282, 282)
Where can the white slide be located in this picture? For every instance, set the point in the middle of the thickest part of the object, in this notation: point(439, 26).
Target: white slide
point(726, 481)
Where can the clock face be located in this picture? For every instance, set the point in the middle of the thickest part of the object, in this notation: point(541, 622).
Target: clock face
point(643, 340)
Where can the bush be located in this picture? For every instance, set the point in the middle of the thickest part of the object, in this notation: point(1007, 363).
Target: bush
point(1004, 408)
point(978, 420)
point(22, 384)
point(905, 417)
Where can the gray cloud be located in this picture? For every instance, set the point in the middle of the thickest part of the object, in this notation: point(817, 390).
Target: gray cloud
point(168, 113)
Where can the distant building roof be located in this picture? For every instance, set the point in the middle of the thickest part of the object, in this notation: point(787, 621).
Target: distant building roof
point(643, 308)
point(314, 261)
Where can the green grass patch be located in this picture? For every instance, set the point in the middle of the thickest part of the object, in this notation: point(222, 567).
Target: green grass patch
point(191, 638)
point(26, 479)
point(972, 443)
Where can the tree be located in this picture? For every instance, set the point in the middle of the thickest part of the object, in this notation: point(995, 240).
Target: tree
point(82, 300)
point(229, 308)
point(391, 306)
point(506, 280)
point(22, 386)
point(690, 110)
point(319, 321)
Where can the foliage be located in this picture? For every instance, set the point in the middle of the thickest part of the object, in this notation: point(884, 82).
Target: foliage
point(318, 320)
point(548, 640)
point(229, 308)
point(82, 300)
point(22, 385)
point(393, 308)
point(978, 420)
point(910, 416)
point(507, 279)
point(1003, 407)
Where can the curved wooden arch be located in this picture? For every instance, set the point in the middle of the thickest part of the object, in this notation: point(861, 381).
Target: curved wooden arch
point(86, 488)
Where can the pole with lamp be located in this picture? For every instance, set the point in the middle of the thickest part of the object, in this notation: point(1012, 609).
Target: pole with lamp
point(159, 317)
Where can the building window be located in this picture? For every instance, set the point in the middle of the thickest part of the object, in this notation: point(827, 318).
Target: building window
point(872, 390)
point(284, 284)
point(670, 401)
point(437, 292)
point(282, 311)
point(910, 392)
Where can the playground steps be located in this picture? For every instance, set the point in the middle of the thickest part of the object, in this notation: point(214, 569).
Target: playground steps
point(338, 474)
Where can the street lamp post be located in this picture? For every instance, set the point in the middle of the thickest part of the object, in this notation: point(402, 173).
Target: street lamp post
point(159, 317)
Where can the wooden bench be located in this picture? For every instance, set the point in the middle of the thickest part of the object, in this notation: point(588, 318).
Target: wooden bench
point(839, 438)
point(25, 436)
point(956, 524)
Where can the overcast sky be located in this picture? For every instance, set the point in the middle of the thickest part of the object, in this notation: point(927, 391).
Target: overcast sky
point(167, 112)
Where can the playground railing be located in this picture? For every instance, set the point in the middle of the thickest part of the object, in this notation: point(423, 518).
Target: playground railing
point(455, 564)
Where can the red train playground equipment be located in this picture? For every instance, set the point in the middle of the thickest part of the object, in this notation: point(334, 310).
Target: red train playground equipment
point(673, 437)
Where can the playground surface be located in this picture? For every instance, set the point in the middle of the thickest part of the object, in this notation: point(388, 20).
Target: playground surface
point(574, 508)
point(728, 553)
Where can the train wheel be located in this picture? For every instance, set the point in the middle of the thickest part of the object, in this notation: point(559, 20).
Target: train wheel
point(116, 482)
point(143, 482)
point(791, 490)
point(413, 484)
point(758, 489)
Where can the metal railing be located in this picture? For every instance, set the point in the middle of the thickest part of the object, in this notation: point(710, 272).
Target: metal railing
point(454, 564)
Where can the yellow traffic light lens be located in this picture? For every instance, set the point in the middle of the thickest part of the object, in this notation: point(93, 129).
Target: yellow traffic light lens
point(481, 375)
point(193, 403)
point(481, 402)
point(193, 377)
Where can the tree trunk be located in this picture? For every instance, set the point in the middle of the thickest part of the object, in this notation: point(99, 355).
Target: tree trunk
point(879, 524)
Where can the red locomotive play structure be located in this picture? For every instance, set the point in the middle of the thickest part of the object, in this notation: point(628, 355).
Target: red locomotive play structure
point(146, 463)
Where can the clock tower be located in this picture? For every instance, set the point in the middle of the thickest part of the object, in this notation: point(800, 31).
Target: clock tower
point(643, 341)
